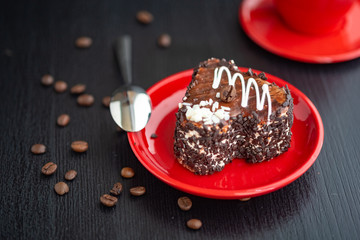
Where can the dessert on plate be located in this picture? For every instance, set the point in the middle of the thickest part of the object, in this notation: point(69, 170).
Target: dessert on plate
point(227, 114)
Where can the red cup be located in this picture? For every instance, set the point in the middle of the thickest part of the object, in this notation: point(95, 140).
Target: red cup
point(315, 17)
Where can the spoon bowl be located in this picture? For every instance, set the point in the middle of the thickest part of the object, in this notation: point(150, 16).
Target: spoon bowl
point(130, 106)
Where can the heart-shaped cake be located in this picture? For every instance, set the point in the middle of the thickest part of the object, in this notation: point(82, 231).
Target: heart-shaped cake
point(227, 114)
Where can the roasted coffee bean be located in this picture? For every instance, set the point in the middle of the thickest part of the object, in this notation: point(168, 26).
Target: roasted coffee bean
point(127, 172)
point(83, 42)
point(38, 148)
point(137, 191)
point(144, 17)
point(153, 136)
point(108, 200)
point(70, 175)
point(117, 189)
point(63, 120)
point(194, 224)
point(78, 88)
point(49, 168)
point(61, 188)
point(79, 146)
point(244, 199)
point(47, 80)
point(60, 86)
point(85, 100)
point(164, 40)
point(184, 203)
point(106, 101)
point(227, 93)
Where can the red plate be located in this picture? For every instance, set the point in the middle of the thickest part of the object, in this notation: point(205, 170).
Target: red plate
point(238, 179)
point(263, 25)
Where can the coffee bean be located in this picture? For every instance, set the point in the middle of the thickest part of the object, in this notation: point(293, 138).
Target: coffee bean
point(227, 93)
point(60, 86)
point(83, 42)
point(85, 100)
point(244, 199)
point(49, 168)
point(108, 200)
point(184, 203)
point(63, 120)
point(70, 175)
point(153, 136)
point(144, 17)
point(194, 224)
point(117, 189)
point(79, 146)
point(38, 148)
point(137, 191)
point(106, 101)
point(127, 172)
point(47, 80)
point(78, 88)
point(61, 188)
point(164, 40)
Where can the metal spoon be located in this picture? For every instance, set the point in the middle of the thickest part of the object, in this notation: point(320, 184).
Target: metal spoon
point(130, 106)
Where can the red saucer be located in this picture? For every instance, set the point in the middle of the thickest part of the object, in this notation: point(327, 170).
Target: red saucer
point(263, 25)
point(238, 179)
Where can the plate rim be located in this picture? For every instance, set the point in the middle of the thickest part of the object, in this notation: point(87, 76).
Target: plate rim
point(233, 194)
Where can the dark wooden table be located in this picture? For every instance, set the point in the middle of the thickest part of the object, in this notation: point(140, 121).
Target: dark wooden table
point(37, 37)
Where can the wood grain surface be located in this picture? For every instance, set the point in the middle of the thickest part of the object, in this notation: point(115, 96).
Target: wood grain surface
point(37, 37)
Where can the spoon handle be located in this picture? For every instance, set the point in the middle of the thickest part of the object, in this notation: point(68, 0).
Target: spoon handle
point(123, 55)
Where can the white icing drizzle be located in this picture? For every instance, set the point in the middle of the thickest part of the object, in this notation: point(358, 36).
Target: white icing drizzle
point(245, 89)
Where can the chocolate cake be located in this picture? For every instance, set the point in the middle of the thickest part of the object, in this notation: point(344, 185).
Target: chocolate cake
point(227, 114)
